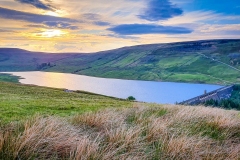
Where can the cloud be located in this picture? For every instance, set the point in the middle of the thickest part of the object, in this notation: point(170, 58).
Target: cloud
point(91, 16)
point(51, 25)
point(94, 19)
point(6, 31)
point(101, 23)
point(210, 28)
point(121, 36)
point(60, 25)
point(30, 17)
point(198, 16)
point(160, 10)
point(61, 47)
point(37, 4)
point(138, 29)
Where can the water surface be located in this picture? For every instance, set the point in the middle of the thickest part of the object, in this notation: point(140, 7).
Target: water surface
point(146, 91)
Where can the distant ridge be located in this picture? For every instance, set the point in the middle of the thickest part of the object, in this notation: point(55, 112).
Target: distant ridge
point(204, 61)
point(127, 47)
point(13, 50)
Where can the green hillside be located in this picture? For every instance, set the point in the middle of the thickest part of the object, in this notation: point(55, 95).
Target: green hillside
point(209, 61)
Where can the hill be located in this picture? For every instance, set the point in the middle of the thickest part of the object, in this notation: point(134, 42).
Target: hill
point(46, 123)
point(207, 61)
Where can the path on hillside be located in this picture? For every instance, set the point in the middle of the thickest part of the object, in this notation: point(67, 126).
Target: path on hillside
point(220, 62)
point(225, 81)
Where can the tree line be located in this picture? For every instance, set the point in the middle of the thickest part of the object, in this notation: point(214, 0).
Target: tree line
point(232, 103)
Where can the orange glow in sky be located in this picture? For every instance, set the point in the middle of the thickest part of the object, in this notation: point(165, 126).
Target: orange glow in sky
point(96, 25)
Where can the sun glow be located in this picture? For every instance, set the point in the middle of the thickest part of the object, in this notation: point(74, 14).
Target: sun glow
point(52, 33)
point(50, 13)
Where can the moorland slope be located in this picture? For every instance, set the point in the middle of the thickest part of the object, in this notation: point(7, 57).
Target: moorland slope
point(207, 61)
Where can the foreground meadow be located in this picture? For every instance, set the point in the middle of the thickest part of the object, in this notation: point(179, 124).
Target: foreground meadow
point(19, 102)
point(110, 131)
point(156, 132)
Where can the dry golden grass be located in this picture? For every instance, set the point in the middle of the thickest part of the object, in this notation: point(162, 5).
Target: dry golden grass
point(140, 132)
point(1, 141)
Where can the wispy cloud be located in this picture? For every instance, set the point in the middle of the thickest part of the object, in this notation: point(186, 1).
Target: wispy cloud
point(93, 25)
point(160, 10)
point(60, 25)
point(101, 23)
point(35, 18)
point(7, 30)
point(122, 36)
point(38, 4)
point(196, 17)
point(211, 28)
point(192, 19)
point(94, 18)
point(91, 16)
point(138, 29)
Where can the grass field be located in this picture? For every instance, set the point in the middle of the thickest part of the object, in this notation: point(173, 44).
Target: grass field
point(18, 102)
point(46, 123)
point(9, 78)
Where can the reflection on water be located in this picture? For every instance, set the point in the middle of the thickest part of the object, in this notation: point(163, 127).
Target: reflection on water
point(48, 79)
point(147, 91)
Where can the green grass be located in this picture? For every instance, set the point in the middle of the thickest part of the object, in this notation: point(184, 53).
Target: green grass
point(207, 129)
point(185, 77)
point(20, 101)
point(9, 78)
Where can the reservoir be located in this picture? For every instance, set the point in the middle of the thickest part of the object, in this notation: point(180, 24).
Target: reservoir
point(146, 91)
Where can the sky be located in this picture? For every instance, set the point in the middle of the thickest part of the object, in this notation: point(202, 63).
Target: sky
point(86, 26)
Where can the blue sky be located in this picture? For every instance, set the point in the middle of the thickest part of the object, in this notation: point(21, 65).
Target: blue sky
point(95, 25)
point(226, 7)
